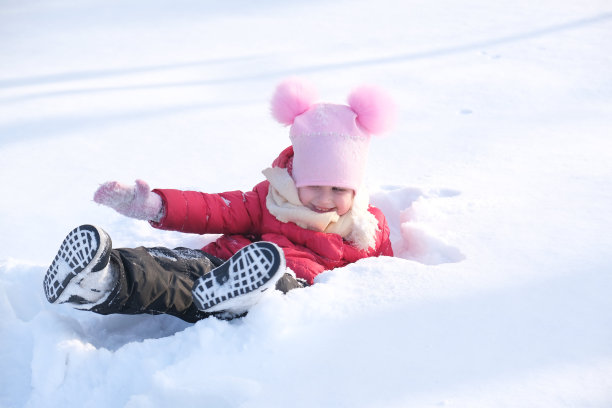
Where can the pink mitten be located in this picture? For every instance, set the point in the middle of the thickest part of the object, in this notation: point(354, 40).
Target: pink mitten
point(136, 201)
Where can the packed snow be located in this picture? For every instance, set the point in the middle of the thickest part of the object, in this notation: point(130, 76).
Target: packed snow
point(496, 182)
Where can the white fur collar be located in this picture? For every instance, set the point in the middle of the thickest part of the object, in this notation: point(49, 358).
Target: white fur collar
point(358, 226)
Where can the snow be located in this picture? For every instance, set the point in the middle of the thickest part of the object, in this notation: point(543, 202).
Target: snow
point(496, 182)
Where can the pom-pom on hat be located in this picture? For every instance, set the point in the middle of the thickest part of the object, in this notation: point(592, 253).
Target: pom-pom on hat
point(330, 142)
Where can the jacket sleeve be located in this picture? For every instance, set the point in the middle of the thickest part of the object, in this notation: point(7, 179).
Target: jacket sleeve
point(385, 245)
point(232, 212)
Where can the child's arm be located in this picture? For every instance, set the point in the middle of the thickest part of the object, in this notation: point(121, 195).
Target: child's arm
point(136, 201)
point(232, 212)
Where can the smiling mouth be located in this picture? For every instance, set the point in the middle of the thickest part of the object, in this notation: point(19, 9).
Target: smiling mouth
point(321, 210)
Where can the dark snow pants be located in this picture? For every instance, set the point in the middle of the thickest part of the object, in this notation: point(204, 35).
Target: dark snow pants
point(159, 280)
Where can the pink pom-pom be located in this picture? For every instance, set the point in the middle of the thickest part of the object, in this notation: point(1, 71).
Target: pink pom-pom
point(292, 98)
point(375, 109)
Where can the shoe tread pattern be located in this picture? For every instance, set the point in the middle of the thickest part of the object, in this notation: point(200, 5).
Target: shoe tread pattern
point(76, 252)
point(246, 271)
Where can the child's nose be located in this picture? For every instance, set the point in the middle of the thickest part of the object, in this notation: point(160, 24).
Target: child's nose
point(326, 198)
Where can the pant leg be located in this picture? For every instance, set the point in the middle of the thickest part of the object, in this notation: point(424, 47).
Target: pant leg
point(157, 280)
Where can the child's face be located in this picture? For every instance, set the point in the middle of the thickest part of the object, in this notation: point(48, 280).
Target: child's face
point(326, 198)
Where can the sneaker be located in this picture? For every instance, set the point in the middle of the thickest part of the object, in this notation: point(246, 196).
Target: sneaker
point(80, 273)
point(239, 283)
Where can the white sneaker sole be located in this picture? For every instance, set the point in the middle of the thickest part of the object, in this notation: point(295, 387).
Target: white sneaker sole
point(239, 282)
point(85, 249)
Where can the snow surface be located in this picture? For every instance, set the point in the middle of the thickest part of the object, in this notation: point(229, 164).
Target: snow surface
point(497, 182)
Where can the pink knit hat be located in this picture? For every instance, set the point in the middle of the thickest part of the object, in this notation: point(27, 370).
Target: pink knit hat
point(330, 142)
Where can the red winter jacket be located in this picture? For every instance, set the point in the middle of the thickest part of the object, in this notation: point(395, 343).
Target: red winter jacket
point(244, 218)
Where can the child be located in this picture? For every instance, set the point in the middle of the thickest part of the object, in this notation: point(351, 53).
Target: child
point(311, 214)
